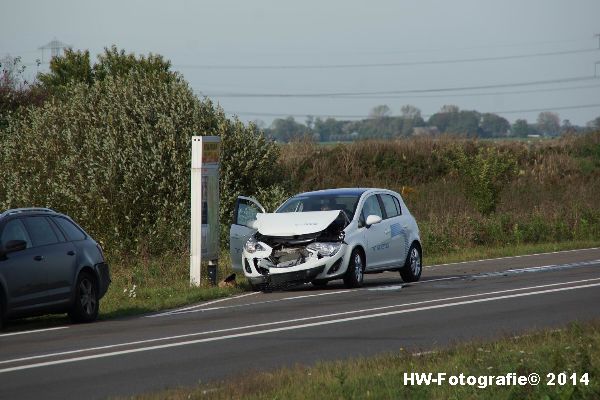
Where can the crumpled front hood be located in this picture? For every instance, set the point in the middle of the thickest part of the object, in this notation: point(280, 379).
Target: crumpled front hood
point(294, 223)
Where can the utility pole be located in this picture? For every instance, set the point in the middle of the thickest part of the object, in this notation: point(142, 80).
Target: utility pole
point(598, 36)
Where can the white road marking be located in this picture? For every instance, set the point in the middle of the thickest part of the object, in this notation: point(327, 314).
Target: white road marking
point(509, 257)
point(280, 323)
point(201, 305)
point(388, 287)
point(385, 288)
point(33, 331)
point(254, 303)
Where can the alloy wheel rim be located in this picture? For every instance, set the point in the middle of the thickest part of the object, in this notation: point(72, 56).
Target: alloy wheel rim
point(87, 297)
point(358, 267)
point(415, 262)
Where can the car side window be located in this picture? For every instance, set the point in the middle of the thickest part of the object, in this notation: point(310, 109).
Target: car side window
point(40, 231)
point(398, 205)
point(72, 232)
point(371, 207)
point(389, 205)
point(14, 230)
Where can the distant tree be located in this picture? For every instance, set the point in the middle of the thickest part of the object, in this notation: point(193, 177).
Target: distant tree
point(548, 123)
point(380, 111)
point(287, 129)
point(310, 121)
point(493, 125)
point(449, 108)
point(411, 116)
point(325, 129)
point(521, 128)
point(594, 124)
point(451, 120)
point(410, 112)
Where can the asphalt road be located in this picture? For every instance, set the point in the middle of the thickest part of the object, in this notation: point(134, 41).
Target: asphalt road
point(261, 331)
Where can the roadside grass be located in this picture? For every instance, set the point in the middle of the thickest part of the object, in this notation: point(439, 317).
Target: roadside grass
point(573, 349)
point(483, 252)
point(159, 283)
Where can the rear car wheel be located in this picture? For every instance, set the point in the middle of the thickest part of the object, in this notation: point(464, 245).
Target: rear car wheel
point(87, 303)
point(411, 272)
point(355, 273)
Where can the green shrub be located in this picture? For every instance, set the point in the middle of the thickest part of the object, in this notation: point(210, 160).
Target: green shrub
point(115, 155)
point(485, 174)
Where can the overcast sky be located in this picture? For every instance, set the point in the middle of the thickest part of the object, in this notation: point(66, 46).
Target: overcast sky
point(341, 58)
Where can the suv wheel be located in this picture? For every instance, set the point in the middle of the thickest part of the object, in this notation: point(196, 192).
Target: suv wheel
point(355, 273)
point(86, 304)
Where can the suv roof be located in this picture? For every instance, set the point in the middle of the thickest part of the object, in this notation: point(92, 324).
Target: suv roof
point(27, 210)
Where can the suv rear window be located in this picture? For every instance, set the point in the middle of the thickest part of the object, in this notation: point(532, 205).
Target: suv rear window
point(40, 231)
point(70, 229)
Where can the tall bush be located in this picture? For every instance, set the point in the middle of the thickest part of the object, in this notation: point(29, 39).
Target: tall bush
point(485, 174)
point(115, 155)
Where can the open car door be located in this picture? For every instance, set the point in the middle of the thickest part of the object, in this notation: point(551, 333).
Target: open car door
point(244, 216)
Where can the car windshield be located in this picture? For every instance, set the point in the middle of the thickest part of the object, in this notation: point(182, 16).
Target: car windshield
point(324, 202)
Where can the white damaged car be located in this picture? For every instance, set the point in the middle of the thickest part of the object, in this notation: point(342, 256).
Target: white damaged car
point(325, 235)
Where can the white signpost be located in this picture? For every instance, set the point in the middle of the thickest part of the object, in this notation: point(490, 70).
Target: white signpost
point(204, 226)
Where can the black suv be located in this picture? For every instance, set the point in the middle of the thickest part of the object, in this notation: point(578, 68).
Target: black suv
point(48, 264)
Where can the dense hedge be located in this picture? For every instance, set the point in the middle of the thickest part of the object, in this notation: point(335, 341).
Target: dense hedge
point(115, 155)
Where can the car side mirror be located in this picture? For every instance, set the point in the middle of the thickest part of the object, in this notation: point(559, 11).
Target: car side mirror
point(372, 220)
point(14, 245)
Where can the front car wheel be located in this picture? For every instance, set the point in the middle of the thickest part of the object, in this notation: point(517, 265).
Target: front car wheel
point(356, 267)
point(87, 304)
point(411, 272)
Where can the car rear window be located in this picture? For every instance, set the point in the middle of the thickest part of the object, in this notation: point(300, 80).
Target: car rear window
point(70, 229)
point(40, 231)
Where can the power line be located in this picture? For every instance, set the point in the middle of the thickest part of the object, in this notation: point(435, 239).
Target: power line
point(355, 116)
point(383, 65)
point(402, 91)
point(412, 96)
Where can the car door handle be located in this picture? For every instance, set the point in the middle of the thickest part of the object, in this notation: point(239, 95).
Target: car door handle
point(38, 258)
point(70, 253)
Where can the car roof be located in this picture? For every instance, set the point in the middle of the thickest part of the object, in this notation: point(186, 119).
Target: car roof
point(336, 192)
point(28, 210)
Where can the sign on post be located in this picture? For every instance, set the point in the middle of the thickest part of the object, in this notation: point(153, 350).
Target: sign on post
point(204, 224)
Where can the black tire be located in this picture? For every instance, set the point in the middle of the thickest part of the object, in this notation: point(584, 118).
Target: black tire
point(2, 310)
point(353, 278)
point(87, 303)
point(319, 283)
point(413, 266)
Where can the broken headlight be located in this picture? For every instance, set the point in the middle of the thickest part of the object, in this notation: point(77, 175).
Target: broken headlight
point(252, 246)
point(325, 249)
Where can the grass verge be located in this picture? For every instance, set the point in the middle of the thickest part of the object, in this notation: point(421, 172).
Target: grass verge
point(483, 252)
point(574, 349)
